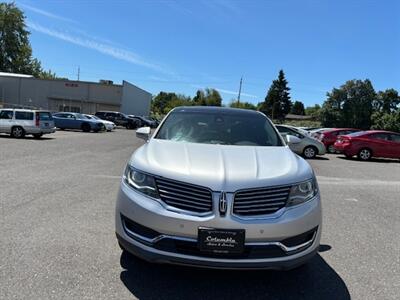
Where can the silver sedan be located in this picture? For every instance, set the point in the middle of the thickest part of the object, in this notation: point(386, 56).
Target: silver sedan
point(302, 144)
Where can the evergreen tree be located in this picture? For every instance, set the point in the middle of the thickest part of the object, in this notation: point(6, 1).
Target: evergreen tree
point(298, 108)
point(277, 103)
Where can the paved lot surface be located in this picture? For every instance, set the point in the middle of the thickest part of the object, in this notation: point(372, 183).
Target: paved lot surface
point(57, 230)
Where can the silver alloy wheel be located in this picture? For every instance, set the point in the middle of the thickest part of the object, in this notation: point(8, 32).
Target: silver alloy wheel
point(365, 154)
point(17, 132)
point(309, 152)
point(331, 149)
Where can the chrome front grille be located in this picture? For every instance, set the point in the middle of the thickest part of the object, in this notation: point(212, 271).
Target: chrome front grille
point(260, 201)
point(184, 196)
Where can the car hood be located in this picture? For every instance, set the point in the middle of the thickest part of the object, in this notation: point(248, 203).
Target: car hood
point(221, 167)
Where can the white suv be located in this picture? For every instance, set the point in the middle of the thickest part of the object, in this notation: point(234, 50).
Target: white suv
point(20, 122)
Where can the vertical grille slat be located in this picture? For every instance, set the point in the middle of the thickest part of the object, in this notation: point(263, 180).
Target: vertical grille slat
point(184, 196)
point(264, 201)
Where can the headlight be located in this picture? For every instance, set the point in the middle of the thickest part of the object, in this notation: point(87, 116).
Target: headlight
point(302, 192)
point(140, 182)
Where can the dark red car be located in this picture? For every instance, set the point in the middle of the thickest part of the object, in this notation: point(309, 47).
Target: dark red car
point(371, 143)
point(328, 137)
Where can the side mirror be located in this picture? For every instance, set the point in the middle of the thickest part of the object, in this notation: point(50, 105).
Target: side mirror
point(291, 139)
point(143, 133)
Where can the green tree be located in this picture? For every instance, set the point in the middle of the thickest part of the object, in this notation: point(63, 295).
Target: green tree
point(207, 97)
point(277, 103)
point(244, 105)
point(351, 105)
point(164, 102)
point(15, 49)
point(387, 101)
point(200, 98)
point(386, 121)
point(313, 111)
point(298, 108)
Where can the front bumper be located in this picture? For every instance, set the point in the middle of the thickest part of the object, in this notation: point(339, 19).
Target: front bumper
point(170, 237)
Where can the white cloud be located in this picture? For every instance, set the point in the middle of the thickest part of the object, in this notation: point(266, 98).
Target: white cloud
point(46, 13)
point(109, 50)
point(228, 92)
point(235, 93)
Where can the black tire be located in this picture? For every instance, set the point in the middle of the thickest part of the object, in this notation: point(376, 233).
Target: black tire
point(364, 154)
point(85, 127)
point(310, 152)
point(17, 132)
point(37, 135)
point(130, 126)
point(331, 149)
point(348, 156)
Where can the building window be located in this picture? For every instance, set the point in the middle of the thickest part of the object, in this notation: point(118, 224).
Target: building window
point(75, 109)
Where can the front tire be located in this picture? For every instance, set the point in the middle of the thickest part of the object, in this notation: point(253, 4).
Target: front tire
point(37, 135)
point(17, 132)
point(364, 154)
point(310, 152)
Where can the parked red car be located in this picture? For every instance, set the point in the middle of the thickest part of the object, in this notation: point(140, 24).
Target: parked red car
point(328, 137)
point(371, 143)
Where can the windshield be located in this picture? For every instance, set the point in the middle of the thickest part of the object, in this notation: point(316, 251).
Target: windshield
point(45, 116)
point(219, 128)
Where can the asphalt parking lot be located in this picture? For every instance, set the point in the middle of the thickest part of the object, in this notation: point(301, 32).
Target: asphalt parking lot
point(57, 236)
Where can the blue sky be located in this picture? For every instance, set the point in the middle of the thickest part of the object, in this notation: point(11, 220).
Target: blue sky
point(183, 45)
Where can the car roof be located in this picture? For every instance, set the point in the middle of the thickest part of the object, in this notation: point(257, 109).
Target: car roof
point(339, 129)
point(380, 131)
point(216, 109)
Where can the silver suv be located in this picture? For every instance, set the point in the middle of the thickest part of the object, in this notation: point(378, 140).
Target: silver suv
point(218, 187)
point(20, 122)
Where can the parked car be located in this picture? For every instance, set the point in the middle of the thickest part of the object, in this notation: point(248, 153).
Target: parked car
point(144, 121)
point(118, 119)
point(328, 137)
point(306, 145)
point(21, 122)
point(108, 124)
point(218, 187)
point(155, 120)
point(315, 133)
point(69, 120)
point(368, 144)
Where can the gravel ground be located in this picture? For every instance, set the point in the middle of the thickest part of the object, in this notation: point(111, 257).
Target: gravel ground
point(57, 236)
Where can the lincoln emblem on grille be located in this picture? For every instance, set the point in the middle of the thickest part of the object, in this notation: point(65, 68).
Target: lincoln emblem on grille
point(222, 203)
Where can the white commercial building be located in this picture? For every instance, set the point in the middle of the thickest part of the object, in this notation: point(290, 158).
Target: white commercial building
point(18, 90)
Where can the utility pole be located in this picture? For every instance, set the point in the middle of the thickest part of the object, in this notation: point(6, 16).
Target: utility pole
point(240, 89)
point(79, 72)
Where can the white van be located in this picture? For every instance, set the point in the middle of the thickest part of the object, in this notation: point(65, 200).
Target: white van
point(21, 122)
